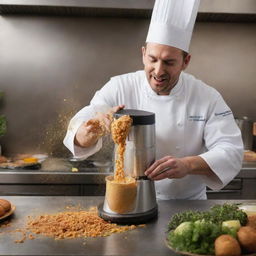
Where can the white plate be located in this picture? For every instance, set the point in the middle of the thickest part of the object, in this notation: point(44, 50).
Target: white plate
point(249, 209)
point(185, 253)
point(194, 254)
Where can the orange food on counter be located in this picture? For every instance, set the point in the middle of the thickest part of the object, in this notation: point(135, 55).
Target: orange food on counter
point(249, 156)
point(3, 159)
point(73, 225)
point(30, 160)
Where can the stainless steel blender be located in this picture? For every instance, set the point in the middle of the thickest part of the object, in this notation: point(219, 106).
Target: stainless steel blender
point(139, 155)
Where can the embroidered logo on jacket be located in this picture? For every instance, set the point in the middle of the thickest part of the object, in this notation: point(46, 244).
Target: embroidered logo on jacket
point(225, 113)
point(197, 118)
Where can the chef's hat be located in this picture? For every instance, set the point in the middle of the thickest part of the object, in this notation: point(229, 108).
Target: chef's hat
point(172, 22)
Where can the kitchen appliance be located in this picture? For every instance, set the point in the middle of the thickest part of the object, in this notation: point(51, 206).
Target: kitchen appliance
point(246, 127)
point(139, 155)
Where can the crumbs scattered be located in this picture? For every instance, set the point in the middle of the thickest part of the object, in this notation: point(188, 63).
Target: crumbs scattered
point(23, 235)
point(31, 237)
point(73, 223)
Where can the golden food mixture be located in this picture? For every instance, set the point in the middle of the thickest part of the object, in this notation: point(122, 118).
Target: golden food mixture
point(74, 225)
point(64, 225)
point(121, 197)
point(97, 126)
point(120, 129)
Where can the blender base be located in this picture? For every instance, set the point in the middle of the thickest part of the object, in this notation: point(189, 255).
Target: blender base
point(135, 218)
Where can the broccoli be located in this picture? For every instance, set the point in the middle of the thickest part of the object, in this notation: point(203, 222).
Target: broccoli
point(197, 237)
point(217, 214)
point(220, 213)
point(179, 218)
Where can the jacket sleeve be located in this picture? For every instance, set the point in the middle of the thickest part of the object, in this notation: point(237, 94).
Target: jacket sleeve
point(224, 144)
point(102, 101)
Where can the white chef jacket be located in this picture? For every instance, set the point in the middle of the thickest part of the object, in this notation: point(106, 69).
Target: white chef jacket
point(192, 120)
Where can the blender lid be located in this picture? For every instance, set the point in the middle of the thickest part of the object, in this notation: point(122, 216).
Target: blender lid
point(139, 117)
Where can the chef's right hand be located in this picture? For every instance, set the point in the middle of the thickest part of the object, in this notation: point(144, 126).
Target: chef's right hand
point(90, 131)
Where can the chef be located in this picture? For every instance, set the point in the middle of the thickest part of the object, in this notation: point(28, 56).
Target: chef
point(198, 143)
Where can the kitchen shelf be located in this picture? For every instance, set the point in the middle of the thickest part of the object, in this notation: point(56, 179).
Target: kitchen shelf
point(209, 10)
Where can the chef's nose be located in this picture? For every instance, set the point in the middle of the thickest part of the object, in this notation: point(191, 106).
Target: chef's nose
point(159, 69)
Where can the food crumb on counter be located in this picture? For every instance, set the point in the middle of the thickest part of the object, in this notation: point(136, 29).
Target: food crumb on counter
point(31, 237)
point(74, 169)
point(74, 224)
point(75, 207)
point(23, 238)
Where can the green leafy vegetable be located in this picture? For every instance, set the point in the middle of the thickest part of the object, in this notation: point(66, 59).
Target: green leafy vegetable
point(195, 231)
point(178, 218)
point(197, 237)
point(217, 214)
point(220, 213)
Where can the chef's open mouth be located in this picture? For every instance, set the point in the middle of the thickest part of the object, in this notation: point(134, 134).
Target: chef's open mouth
point(159, 79)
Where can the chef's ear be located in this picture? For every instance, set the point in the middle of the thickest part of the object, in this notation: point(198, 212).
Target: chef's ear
point(186, 61)
point(143, 50)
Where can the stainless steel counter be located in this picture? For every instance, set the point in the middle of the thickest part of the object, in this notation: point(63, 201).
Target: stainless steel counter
point(142, 241)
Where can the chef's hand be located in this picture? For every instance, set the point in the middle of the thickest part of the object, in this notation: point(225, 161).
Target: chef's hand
point(168, 167)
point(90, 131)
point(175, 168)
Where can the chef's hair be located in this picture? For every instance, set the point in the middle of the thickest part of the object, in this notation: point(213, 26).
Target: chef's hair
point(185, 54)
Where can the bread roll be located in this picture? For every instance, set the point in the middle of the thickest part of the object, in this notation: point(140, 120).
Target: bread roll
point(251, 221)
point(226, 245)
point(2, 211)
point(247, 238)
point(5, 204)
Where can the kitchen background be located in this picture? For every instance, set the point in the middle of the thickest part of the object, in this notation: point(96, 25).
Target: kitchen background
point(51, 66)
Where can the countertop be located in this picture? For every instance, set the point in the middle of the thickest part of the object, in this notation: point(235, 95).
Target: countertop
point(87, 175)
point(142, 241)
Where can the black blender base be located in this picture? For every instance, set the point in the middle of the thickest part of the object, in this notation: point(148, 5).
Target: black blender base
point(138, 218)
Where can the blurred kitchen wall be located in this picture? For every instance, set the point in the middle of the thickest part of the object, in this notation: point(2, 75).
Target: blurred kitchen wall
point(50, 67)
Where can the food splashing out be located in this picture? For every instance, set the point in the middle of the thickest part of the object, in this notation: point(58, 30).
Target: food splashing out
point(120, 129)
point(120, 189)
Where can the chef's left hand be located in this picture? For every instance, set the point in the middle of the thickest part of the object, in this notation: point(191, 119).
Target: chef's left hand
point(168, 167)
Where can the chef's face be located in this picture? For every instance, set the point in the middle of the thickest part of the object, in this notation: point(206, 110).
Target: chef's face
point(163, 65)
